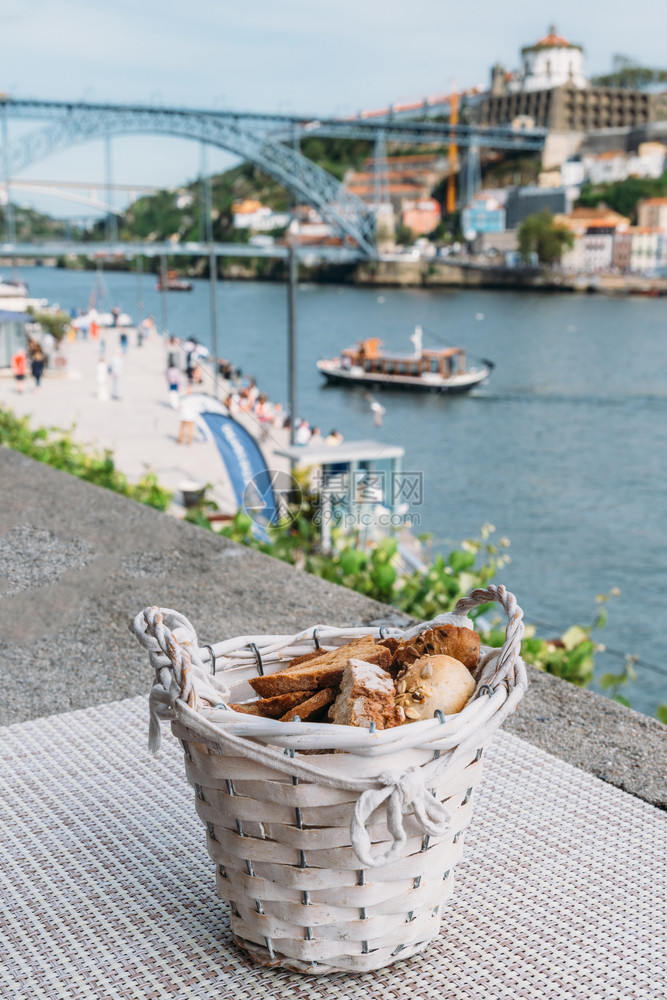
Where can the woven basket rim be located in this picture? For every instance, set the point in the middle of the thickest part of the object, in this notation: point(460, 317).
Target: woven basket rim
point(500, 682)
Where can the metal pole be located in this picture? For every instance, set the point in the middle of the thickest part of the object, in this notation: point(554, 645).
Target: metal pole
point(291, 339)
point(140, 271)
point(112, 221)
point(10, 221)
point(164, 319)
point(213, 282)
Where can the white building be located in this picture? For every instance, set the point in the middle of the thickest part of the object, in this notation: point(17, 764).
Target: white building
point(184, 199)
point(652, 213)
point(253, 215)
point(572, 173)
point(592, 252)
point(552, 62)
point(646, 250)
point(617, 165)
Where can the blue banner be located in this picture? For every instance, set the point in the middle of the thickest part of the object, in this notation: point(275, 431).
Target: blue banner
point(251, 480)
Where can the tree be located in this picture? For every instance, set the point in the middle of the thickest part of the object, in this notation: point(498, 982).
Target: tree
point(541, 235)
point(623, 196)
point(629, 75)
point(404, 234)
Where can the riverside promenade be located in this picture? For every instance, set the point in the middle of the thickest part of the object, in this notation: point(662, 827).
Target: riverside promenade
point(141, 428)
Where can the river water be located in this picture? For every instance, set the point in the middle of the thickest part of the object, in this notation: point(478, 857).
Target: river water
point(564, 450)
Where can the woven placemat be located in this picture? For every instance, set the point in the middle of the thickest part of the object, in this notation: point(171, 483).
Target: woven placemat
point(107, 893)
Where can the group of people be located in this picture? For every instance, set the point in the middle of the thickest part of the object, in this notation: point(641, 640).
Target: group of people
point(243, 395)
point(35, 357)
point(305, 434)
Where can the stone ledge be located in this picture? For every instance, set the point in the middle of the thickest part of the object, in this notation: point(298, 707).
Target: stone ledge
point(79, 562)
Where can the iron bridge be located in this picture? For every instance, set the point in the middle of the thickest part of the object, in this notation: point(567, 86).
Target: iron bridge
point(270, 141)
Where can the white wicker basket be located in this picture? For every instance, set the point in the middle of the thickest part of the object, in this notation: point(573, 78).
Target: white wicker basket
point(340, 861)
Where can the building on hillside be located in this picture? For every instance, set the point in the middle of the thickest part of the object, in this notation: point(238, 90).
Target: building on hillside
point(484, 214)
point(622, 254)
point(646, 251)
point(606, 168)
point(594, 230)
point(582, 217)
point(569, 175)
point(592, 252)
point(617, 165)
point(308, 226)
point(551, 62)
point(572, 173)
point(652, 159)
point(397, 177)
point(251, 214)
point(421, 216)
point(525, 201)
point(652, 213)
point(551, 90)
point(184, 198)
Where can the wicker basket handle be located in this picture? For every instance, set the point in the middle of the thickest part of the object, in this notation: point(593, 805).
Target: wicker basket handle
point(505, 667)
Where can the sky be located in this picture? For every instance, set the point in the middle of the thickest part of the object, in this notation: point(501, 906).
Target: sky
point(295, 56)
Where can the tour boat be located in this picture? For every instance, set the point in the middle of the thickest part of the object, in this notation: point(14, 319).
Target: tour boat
point(441, 369)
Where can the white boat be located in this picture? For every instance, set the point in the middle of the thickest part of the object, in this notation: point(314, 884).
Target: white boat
point(12, 289)
point(443, 369)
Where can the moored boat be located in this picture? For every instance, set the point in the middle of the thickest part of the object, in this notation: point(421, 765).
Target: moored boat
point(443, 369)
point(174, 283)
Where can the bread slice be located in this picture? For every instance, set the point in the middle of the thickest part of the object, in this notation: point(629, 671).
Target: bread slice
point(325, 670)
point(251, 708)
point(273, 708)
point(367, 695)
point(298, 660)
point(311, 708)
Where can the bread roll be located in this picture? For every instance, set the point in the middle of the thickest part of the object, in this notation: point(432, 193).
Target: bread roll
point(432, 683)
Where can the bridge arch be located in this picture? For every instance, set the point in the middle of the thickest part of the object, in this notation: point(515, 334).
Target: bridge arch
point(343, 210)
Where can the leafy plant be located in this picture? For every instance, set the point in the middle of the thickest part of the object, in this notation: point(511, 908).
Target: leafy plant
point(55, 323)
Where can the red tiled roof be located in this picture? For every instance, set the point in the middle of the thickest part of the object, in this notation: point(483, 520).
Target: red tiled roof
point(551, 41)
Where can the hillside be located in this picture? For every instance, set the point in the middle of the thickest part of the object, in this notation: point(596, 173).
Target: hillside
point(32, 226)
point(178, 212)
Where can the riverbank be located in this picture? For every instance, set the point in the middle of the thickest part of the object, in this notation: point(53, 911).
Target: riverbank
point(392, 271)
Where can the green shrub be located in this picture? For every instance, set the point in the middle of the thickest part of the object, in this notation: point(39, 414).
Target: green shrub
point(55, 447)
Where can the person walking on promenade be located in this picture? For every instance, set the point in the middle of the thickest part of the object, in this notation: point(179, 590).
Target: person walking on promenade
point(20, 368)
point(123, 341)
point(188, 416)
point(37, 365)
point(116, 370)
point(174, 383)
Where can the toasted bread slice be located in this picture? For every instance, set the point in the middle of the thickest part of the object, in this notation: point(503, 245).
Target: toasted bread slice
point(251, 708)
point(311, 708)
point(273, 708)
point(367, 695)
point(298, 660)
point(322, 671)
